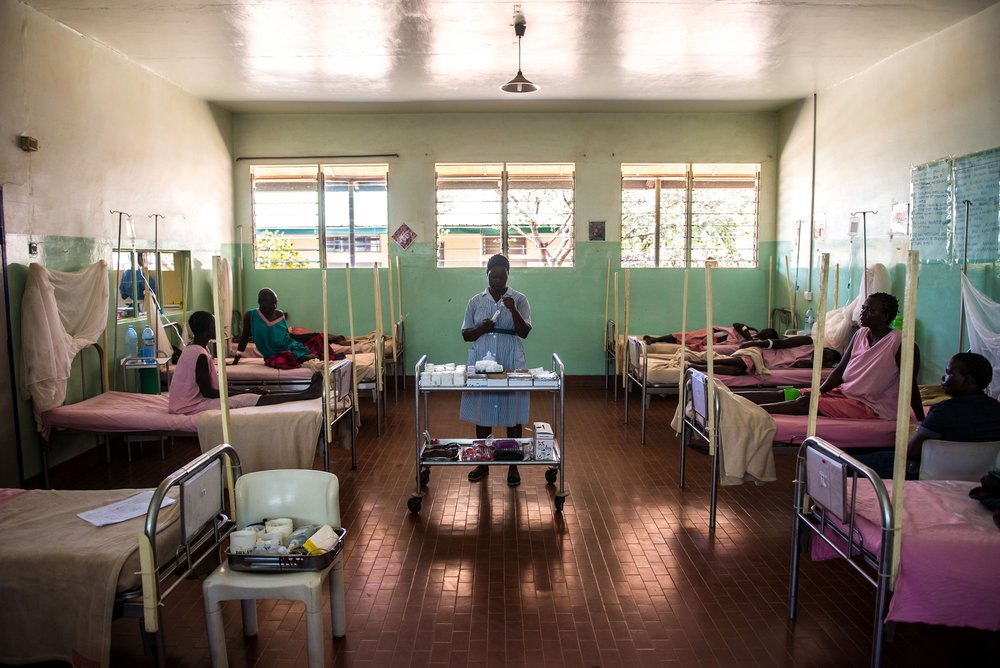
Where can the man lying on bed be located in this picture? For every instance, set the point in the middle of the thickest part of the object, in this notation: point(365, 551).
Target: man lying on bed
point(697, 339)
point(969, 416)
point(865, 385)
point(795, 352)
point(194, 387)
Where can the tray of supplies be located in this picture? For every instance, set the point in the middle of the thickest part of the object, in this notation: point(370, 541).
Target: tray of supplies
point(285, 563)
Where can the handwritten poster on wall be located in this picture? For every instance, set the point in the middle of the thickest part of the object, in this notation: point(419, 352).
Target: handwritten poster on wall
point(943, 194)
point(977, 190)
point(930, 210)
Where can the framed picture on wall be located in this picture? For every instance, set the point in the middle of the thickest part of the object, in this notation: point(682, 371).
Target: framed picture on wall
point(596, 230)
point(404, 236)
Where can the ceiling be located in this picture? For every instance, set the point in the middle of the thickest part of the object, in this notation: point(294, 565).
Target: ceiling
point(413, 55)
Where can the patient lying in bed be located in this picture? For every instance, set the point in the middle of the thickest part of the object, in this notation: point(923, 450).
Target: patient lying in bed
point(760, 356)
point(697, 339)
point(194, 387)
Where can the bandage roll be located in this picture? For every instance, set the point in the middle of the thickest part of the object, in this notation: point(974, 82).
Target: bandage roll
point(243, 541)
point(268, 541)
point(281, 525)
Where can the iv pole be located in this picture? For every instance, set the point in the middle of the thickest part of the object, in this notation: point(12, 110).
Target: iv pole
point(864, 245)
point(965, 265)
point(118, 269)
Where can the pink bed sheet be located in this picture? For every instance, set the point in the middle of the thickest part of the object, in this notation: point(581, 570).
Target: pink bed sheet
point(793, 377)
point(253, 370)
point(119, 412)
point(949, 555)
point(846, 433)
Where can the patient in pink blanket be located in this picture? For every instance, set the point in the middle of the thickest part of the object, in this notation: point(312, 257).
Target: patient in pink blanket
point(195, 384)
point(795, 352)
point(865, 385)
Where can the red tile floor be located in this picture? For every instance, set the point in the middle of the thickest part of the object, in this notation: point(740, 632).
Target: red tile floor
point(628, 574)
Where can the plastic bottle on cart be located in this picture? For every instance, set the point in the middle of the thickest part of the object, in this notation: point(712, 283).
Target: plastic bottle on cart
point(148, 352)
point(809, 320)
point(131, 343)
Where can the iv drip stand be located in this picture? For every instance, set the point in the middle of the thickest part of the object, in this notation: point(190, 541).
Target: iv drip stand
point(118, 269)
point(965, 265)
point(864, 245)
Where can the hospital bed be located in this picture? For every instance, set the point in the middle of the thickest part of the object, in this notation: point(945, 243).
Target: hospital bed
point(949, 543)
point(657, 374)
point(79, 577)
point(146, 417)
point(746, 438)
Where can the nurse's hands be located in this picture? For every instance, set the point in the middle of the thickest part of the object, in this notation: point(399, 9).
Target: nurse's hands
point(509, 303)
point(487, 325)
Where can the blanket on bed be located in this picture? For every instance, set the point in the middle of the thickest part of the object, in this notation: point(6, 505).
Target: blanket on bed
point(60, 575)
point(282, 436)
point(950, 551)
point(745, 436)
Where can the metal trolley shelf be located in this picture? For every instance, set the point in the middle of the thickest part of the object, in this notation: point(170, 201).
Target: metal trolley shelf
point(556, 467)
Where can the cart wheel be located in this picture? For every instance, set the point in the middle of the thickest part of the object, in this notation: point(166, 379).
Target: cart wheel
point(550, 475)
point(425, 476)
point(560, 500)
point(414, 503)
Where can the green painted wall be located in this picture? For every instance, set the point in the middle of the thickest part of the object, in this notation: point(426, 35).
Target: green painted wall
point(567, 305)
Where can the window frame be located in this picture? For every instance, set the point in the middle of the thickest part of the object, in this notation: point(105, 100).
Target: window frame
point(500, 172)
point(323, 248)
point(690, 179)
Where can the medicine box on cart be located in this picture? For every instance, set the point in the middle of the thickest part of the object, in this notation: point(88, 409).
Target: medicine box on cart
point(545, 441)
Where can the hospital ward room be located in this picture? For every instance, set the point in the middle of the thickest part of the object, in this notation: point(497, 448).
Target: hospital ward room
point(561, 334)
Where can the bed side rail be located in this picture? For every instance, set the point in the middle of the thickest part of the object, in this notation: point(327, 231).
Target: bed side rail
point(826, 485)
point(205, 487)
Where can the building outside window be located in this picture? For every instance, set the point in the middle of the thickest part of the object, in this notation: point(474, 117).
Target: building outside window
point(523, 210)
point(690, 214)
point(294, 206)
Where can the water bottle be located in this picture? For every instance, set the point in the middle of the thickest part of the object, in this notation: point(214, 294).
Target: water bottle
point(131, 343)
point(148, 352)
point(810, 319)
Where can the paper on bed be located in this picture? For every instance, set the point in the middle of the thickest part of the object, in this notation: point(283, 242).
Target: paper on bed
point(119, 511)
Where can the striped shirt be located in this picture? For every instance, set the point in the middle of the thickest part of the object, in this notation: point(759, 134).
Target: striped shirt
point(496, 409)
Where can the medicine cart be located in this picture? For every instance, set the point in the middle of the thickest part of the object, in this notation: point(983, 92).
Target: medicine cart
point(556, 465)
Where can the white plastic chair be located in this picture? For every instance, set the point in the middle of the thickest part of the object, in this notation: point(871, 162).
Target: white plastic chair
point(307, 497)
point(952, 460)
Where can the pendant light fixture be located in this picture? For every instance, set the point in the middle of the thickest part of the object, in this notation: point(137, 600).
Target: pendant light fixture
point(519, 84)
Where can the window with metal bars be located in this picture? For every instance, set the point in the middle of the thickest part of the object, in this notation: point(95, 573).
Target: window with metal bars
point(295, 206)
point(523, 210)
point(690, 214)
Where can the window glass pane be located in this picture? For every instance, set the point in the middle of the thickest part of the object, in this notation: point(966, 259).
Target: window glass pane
point(356, 207)
point(540, 207)
point(285, 216)
point(641, 221)
point(469, 213)
point(724, 200)
point(638, 223)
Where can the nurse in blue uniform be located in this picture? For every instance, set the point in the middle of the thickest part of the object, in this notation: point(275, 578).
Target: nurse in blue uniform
point(496, 321)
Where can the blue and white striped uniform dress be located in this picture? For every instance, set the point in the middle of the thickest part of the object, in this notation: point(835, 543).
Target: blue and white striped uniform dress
point(496, 409)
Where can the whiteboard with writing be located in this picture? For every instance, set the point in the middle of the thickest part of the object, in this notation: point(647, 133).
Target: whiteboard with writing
point(930, 210)
point(977, 193)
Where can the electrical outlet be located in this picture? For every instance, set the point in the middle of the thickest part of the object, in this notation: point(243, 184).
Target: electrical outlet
point(808, 295)
point(32, 248)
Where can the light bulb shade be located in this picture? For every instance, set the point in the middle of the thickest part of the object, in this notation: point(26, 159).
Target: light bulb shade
point(519, 85)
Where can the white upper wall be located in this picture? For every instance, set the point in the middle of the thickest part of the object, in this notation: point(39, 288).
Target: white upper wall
point(111, 136)
point(936, 98)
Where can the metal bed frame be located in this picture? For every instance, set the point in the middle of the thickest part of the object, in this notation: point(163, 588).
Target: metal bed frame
point(611, 356)
point(696, 386)
point(205, 523)
point(840, 471)
point(397, 361)
point(636, 366)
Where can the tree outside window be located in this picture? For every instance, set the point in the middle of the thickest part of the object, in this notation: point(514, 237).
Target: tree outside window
point(524, 210)
point(684, 215)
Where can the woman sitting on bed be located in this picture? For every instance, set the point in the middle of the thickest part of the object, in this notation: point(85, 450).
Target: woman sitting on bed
point(195, 384)
point(865, 385)
point(795, 352)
